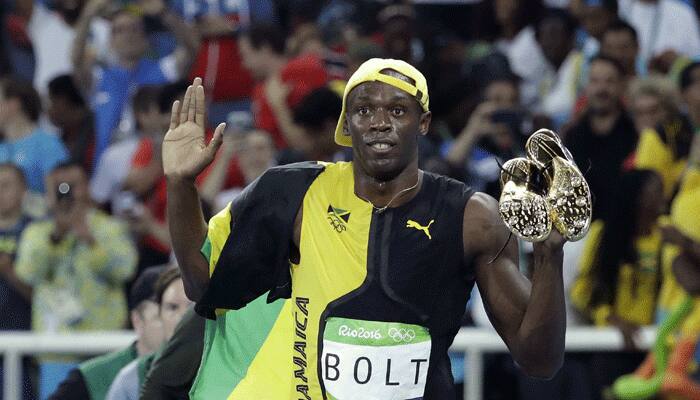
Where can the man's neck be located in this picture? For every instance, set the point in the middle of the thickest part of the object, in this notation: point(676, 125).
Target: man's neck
point(393, 192)
point(18, 128)
point(602, 123)
point(10, 219)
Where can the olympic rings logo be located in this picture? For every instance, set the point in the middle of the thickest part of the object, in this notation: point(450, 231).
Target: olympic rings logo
point(402, 335)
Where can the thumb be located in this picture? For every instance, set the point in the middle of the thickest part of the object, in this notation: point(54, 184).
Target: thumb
point(216, 141)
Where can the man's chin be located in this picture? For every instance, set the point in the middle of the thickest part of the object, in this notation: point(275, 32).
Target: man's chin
point(383, 169)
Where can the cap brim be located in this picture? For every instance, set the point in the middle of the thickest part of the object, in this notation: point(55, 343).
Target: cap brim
point(341, 138)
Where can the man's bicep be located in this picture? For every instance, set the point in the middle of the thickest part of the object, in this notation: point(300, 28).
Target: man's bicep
point(504, 290)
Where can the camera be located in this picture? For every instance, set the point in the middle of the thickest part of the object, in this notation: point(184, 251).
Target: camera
point(64, 192)
point(511, 118)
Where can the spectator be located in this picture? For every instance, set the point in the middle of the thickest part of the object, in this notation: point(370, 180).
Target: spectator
point(144, 205)
point(76, 263)
point(665, 149)
point(595, 16)
point(604, 136)
point(25, 144)
point(549, 83)
point(255, 153)
point(175, 366)
point(397, 22)
point(146, 212)
point(15, 295)
point(666, 29)
point(619, 273)
point(68, 111)
point(282, 83)
point(681, 256)
point(110, 179)
point(113, 85)
point(317, 115)
point(620, 42)
point(653, 101)
point(508, 23)
point(150, 128)
point(92, 378)
point(219, 57)
point(492, 136)
point(172, 305)
point(51, 29)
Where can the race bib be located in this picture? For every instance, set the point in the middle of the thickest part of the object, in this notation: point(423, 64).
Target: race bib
point(374, 360)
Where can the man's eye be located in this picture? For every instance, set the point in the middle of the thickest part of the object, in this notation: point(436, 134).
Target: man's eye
point(398, 111)
point(363, 110)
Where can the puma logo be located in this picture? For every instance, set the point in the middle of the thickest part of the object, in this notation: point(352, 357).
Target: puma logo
point(413, 224)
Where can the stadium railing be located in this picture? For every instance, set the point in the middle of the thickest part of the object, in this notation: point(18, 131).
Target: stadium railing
point(474, 342)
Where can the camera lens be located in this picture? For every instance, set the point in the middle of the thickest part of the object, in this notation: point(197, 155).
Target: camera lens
point(63, 188)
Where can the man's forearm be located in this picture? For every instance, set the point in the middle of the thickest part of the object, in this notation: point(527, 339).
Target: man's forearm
point(543, 328)
point(188, 231)
point(79, 55)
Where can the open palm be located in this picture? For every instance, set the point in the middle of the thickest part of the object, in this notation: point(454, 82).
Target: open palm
point(185, 151)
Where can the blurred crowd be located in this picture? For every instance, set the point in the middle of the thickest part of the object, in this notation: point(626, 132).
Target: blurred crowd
point(87, 86)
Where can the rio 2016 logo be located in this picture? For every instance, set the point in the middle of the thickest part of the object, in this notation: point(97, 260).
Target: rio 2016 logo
point(402, 335)
point(360, 332)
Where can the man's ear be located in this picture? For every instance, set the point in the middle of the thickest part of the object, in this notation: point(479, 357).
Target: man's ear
point(136, 321)
point(424, 124)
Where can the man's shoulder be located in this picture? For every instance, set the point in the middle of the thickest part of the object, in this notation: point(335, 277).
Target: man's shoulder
point(449, 185)
point(481, 205)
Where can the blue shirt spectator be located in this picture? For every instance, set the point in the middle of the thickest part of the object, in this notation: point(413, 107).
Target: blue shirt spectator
point(36, 154)
point(24, 144)
point(112, 84)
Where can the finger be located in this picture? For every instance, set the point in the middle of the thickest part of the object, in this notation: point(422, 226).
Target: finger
point(200, 109)
point(193, 103)
point(184, 110)
point(174, 113)
point(216, 141)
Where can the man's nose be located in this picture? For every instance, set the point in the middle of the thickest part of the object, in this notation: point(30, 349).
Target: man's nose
point(380, 121)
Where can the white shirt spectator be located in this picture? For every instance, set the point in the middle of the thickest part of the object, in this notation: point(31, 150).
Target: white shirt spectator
point(112, 169)
point(52, 40)
point(544, 89)
point(662, 25)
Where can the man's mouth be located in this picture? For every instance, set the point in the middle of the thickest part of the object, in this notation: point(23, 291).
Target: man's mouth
point(381, 146)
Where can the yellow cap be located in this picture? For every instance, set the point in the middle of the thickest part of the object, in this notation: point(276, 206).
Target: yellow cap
point(369, 71)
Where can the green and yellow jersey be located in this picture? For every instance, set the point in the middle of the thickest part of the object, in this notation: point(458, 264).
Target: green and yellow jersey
point(374, 301)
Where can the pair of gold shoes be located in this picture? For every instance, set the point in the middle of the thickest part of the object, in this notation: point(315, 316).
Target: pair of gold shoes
point(544, 190)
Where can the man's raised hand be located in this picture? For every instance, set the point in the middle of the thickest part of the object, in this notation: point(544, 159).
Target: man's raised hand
point(185, 151)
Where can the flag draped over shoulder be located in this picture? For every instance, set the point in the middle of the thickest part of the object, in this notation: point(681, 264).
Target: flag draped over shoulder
point(255, 256)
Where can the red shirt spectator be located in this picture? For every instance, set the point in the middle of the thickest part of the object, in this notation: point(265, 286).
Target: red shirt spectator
point(302, 74)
